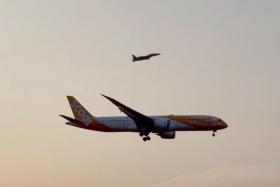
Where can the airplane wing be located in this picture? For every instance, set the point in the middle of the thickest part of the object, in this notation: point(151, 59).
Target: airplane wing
point(142, 122)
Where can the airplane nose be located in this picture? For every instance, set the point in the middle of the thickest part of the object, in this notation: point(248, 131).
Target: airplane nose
point(224, 125)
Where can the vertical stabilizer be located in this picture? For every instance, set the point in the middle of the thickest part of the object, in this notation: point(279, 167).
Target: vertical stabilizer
point(134, 58)
point(79, 112)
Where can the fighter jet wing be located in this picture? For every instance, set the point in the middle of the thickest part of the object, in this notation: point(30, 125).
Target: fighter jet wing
point(142, 122)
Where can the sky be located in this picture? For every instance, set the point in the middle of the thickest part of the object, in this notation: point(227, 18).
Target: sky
point(217, 57)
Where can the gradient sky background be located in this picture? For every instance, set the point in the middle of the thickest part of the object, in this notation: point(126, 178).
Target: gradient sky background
point(218, 58)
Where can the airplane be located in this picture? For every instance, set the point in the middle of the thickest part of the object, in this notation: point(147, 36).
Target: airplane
point(163, 126)
point(147, 57)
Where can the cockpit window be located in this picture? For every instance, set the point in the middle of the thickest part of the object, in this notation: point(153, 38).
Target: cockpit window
point(214, 119)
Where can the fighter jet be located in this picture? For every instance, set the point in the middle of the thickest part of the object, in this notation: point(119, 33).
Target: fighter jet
point(147, 57)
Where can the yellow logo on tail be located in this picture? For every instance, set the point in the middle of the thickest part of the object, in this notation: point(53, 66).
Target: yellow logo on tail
point(79, 112)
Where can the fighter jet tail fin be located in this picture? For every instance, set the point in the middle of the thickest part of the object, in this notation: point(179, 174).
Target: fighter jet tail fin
point(134, 58)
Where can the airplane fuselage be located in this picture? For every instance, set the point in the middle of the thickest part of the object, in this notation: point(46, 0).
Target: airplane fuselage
point(147, 57)
point(142, 58)
point(161, 124)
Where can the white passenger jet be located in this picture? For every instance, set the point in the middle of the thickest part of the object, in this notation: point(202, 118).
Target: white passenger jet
point(163, 126)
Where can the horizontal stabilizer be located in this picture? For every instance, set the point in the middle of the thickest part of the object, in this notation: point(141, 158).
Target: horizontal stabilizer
point(71, 119)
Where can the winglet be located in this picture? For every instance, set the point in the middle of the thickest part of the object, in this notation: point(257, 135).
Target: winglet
point(104, 95)
point(107, 97)
point(112, 100)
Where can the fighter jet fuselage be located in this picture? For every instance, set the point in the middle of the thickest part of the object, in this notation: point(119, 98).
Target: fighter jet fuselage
point(147, 57)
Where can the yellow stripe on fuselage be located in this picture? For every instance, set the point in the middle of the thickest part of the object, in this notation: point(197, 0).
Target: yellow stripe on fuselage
point(197, 122)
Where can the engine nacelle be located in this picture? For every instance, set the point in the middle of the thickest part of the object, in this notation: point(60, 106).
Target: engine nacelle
point(167, 135)
point(161, 124)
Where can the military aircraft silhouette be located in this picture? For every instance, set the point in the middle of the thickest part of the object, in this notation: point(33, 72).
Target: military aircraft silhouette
point(147, 57)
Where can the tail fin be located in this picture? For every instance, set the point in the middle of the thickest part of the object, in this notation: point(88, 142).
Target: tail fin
point(133, 58)
point(79, 112)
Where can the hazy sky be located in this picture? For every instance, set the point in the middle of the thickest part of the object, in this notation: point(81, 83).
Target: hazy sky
point(218, 57)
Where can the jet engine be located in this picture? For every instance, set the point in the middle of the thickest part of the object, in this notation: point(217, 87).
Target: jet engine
point(167, 135)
